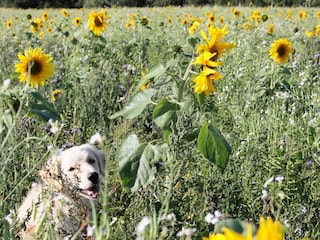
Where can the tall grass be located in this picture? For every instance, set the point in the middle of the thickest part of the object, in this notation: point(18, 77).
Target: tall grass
point(274, 132)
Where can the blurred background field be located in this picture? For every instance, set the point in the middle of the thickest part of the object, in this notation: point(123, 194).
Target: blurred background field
point(273, 131)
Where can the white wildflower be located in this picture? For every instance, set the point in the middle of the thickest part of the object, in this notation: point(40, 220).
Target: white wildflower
point(281, 195)
point(145, 221)
point(55, 126)
point(186, 232)
point(264, 195)
point(114, 220)
point(270, 180)
point(213, 218)
point(279, 178)
point(5, 85)
point(304, 210)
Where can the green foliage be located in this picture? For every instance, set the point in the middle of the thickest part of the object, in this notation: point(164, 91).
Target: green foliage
point(157, 140)
point(213, 146)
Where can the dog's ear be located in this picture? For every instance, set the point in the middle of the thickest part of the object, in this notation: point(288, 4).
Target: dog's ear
point(51, 172)
point(101, 160)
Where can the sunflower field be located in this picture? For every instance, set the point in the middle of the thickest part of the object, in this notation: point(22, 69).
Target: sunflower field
point(209, 117)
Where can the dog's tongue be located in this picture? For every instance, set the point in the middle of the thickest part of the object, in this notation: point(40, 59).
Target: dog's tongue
point(92, 192)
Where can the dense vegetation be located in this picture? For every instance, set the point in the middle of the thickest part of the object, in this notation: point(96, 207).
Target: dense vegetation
point(267, 112)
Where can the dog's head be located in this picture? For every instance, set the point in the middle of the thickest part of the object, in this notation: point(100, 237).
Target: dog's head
point(79, 168)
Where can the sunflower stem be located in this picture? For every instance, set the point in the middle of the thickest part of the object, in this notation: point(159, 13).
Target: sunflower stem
point(185, 77)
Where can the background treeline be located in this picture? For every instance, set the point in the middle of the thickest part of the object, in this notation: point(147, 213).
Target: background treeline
point(150, 3)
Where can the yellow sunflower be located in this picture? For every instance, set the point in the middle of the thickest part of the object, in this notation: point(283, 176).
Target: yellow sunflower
point(204, 81)
point(221, 20)
point(236, 13)
point(206, 59)
point(64, 12)
point(289, 14)
point(97, 22)
point(45, 16)
point(77, 21)
point(36, 25)
point(211, 18)
point(34, 67)
point(55, 94)
point(144, 21)
point(184, 21)
point(268, 229)
point(270, 28)
point(214, 44)
point(194, 27)
point(281, 50)
point(9, 24)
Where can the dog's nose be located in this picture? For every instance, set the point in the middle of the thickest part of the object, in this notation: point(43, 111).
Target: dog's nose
point(93, 177)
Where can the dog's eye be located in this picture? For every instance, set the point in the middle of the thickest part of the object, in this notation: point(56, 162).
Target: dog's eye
point(91, 161)
point(71, 169)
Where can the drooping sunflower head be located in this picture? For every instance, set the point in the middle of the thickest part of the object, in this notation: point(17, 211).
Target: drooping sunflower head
point(34, 67)
point(97, 22)
point(281, 50)
point(204, 81)
point(270, 28)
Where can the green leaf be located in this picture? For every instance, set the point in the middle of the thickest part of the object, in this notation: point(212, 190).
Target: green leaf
point(213, 146)
point(193, 41)
point(45, 115)
point(160, 150)
point(235, 225)
point(164, 113)
point(154, 72)
point(42, 108)
point(136, 105)
point(135, 163)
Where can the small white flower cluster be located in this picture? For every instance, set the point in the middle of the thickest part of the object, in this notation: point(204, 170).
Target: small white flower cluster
point(213, 218)
point(186, 232)
point(265, 195)
point(145, 221)
point(5, 85)
point(55, 126)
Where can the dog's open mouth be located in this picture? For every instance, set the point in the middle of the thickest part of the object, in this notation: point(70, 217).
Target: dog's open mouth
point(91, 193)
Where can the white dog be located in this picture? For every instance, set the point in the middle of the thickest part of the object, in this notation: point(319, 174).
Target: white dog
point(69, 181)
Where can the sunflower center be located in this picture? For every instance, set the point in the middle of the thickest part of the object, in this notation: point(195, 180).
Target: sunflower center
point(36, 67)
point(98, 21)
point(281, 51)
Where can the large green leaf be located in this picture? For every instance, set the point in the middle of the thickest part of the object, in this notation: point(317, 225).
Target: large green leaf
point(135, 163)
point(213, 146)
point(42, 108)
point(136, 105)
point(154, 72)
point(164, 113)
